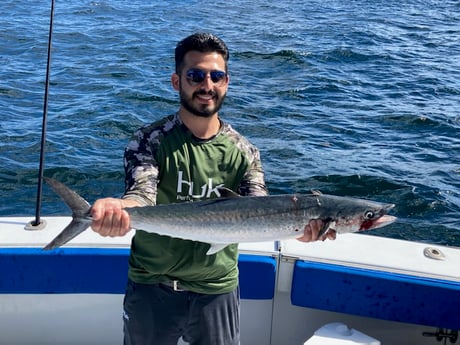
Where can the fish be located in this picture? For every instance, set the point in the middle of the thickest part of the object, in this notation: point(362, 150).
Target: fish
point(232, 218)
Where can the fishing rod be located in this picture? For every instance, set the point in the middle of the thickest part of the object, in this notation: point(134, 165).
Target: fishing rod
point(37, 223)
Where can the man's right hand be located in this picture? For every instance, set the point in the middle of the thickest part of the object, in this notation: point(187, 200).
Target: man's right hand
point(109, 217)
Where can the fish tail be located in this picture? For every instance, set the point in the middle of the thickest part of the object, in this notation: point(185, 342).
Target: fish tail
point(76, 227)
point(80, 212)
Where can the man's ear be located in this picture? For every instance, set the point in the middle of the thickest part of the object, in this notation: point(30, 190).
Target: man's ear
point(175, 81)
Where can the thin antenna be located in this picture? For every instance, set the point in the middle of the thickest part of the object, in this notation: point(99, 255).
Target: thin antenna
point(38, 224)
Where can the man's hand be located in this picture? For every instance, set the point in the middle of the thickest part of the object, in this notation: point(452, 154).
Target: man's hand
point(109, 217)
point(312, 229)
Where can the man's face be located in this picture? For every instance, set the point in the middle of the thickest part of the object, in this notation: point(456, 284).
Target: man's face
point(202, 83)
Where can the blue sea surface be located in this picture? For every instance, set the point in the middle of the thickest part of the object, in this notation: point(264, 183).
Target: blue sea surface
point(358, 98)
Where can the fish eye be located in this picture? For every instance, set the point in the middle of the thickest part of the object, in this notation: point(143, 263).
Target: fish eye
point(369, 214)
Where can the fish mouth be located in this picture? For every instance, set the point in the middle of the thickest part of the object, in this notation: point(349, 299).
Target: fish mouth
point(382, 221)
point(385, 219)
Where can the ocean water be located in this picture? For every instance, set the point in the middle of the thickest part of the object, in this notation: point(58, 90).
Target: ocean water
point(358, 98)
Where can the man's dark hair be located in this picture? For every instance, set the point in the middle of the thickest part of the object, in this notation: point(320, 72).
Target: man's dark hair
point(202, 42)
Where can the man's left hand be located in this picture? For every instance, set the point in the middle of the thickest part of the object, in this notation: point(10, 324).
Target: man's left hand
point(312, 229)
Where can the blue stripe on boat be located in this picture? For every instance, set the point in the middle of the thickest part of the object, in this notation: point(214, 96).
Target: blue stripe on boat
point(69, 270)
point(104, 271)
point(257, 276)
point(383, 295)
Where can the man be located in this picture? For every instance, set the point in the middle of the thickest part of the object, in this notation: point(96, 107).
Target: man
point(174, 288)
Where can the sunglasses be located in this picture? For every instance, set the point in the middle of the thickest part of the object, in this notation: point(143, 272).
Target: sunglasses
point(197, 76)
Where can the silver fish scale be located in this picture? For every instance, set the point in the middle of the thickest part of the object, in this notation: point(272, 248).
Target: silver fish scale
point(226, 220)
point(246, 219)
point(235, 219)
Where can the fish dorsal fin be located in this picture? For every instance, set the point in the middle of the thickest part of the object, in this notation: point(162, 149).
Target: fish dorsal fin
point(227, 193)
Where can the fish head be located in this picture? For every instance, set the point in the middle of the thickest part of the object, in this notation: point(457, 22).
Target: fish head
point(376, 217)
point(361, 215)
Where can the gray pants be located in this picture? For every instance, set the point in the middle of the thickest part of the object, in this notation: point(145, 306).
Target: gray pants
point(155, 314)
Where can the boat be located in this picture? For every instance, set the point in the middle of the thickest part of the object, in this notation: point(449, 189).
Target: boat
point(358, 289)
point(383, 290)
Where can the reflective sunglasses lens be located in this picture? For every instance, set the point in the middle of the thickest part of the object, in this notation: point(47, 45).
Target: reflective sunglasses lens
point(217, 76)
point(196, 75)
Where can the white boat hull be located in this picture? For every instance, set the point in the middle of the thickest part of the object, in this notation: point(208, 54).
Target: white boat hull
point(387, 289)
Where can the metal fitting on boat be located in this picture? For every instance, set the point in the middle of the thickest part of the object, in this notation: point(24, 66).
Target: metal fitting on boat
point(434, 253)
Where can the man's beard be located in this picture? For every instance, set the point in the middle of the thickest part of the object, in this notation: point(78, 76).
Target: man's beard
point(202, 110)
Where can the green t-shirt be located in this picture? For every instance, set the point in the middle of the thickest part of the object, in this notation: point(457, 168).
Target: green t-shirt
point(165, 163)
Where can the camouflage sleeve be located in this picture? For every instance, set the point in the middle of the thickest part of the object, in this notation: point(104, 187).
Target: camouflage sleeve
point(253, 183)
point(141, 169)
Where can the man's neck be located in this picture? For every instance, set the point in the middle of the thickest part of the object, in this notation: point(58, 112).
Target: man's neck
point(201, 127)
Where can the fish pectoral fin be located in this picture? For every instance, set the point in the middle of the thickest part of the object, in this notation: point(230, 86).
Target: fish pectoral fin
point(215, 247)
point(327, 225)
